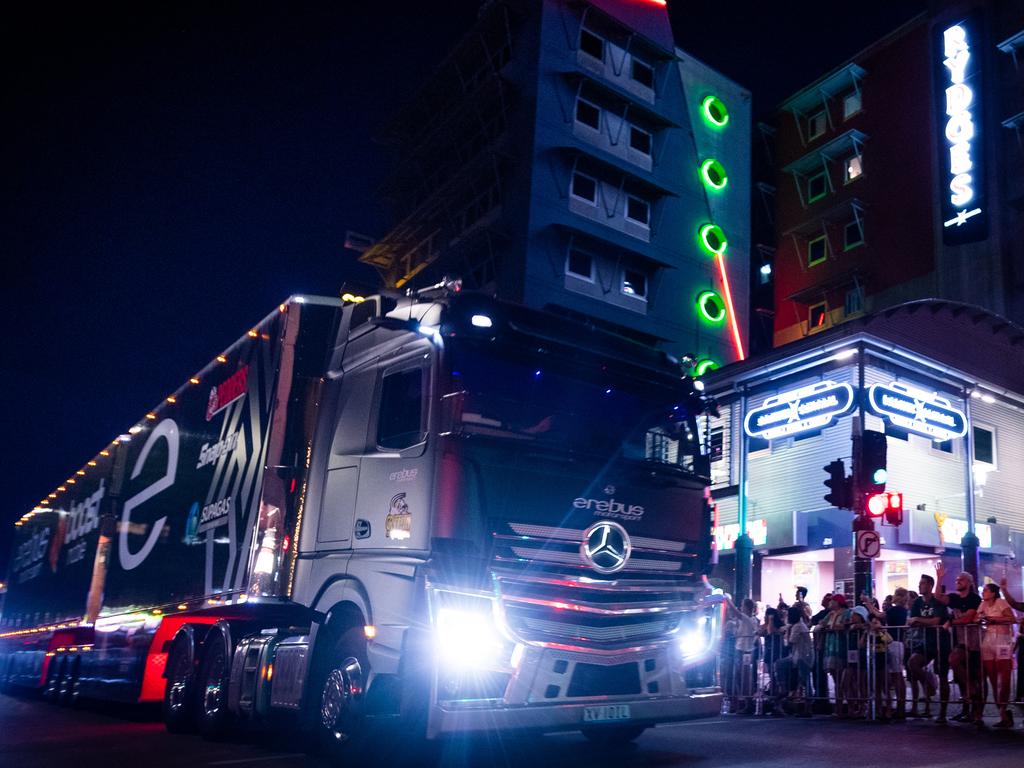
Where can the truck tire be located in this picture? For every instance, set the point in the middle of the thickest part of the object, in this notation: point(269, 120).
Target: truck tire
point(340, 695)
point(68, 682)
point(54, 673)
point(179, 707)
point(212, 714)
point(614, 736)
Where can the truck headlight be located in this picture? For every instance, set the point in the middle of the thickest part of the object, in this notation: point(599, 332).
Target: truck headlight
point(466, 635)
point(698, 635)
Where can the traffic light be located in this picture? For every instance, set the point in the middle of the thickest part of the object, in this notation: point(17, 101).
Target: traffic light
point(888, 504)
point(871, 469)
point(838, 483)
point(894, 511)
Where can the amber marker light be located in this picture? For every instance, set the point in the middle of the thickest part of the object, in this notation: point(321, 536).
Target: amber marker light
point(172, 399)
point(370, 631)
point(105, 452)
point(221, 359)
point(92, 463)
point(61, 488)
point(80, 473)
point(253, 333)
point(194, 380)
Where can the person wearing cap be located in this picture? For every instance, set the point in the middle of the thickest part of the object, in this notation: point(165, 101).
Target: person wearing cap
point(929, 644)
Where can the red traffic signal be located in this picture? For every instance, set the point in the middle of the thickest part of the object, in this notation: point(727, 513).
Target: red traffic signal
point(889, 504)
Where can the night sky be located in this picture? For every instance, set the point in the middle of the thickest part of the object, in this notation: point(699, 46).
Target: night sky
point(172, 172)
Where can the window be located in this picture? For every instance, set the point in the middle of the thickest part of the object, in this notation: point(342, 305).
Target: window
point(584, 187)
point(815, 125)
point(851, 104)
point(757, 444)
point(946, 446)
point(817, 187)
point(717, 446)
point(984, 445)
point(817, 317)
point(852, 169)
point(640, 140)
point(853, 235)
point(854, 302)
point(817, 251)
point(642, 73)
point(579, 264)
point(638, 211)
point(588, 114)
point(634, 283)
point(591, 44)
point(400, 424)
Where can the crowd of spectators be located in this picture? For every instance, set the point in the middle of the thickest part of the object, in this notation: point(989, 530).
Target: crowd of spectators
point(859, 660)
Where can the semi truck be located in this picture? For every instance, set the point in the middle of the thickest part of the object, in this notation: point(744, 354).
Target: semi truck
point(432, 510)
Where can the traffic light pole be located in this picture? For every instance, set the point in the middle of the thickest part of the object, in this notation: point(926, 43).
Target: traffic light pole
point(862, 576)
point(744, 544)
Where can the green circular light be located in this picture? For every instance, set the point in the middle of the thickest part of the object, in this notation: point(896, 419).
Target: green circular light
point(713, 173)
point(879, 477)
point(715, 111)
point(703, 366)
point(713, 238)
point(711, 306)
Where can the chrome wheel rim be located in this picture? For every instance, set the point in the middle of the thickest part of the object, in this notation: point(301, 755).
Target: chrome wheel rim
point(177, 686)
point(213, 695)
point(341, 701)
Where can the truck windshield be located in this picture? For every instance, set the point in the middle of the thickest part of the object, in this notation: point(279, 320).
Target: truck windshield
point(578, 408)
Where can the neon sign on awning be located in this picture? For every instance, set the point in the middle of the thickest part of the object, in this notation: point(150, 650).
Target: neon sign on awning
point(915, 410)
point(801, 410)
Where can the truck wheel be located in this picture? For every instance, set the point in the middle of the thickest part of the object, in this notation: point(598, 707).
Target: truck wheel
point(53, 676)
point(213, 716)
point(340, 719)
point(180, 695)
point(68, 681)
point(615, 736)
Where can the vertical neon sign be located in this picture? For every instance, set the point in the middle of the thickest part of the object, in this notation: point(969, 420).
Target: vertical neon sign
point(964, 215)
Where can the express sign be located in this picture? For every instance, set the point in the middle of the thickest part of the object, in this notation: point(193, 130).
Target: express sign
point(918, 411)
point(801, 410)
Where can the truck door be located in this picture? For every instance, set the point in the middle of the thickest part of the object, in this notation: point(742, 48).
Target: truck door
point(353, 396)
point(394, 501)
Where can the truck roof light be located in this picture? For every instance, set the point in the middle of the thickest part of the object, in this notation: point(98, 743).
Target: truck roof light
point(481, 321)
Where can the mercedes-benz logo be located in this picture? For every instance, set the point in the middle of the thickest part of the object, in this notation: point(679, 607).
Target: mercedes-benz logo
point(609, 490)
point(606, 547)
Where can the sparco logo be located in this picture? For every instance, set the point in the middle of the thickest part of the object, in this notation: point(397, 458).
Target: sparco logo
point(610, 508)
point(227, 392)
point(606, 547)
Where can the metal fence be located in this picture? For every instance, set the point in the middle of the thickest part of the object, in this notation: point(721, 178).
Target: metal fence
point(964, 672)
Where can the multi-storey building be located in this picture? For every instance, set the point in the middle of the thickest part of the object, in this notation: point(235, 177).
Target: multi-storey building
point(943, 381)
point(566, 155)
point(900, 174)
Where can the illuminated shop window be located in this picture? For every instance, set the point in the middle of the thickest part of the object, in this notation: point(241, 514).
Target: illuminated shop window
point(642, 73)
point(713, 173)
point(711, 307)
point(638, 211)
point(852, 169)
point(817, 187)
point(853, 235)
point(640, 140)
point(817, 251)
point(591, 44)
point(816, 125)
point(588, 114)
point(580, 264)
point(715, 111)
point(851, 104)
point(584, 187)
point(817, 317)
point(634, 283)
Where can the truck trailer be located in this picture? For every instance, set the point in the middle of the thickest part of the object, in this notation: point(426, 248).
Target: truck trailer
point(437, 510)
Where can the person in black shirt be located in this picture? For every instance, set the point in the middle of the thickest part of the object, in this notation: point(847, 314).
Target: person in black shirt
point(929, 643)
point(965, 659)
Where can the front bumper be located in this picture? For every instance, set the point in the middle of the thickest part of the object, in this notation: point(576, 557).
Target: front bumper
point(554, 689)
point(569, 717)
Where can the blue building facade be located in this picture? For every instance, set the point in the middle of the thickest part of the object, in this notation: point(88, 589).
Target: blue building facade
point(566, 155)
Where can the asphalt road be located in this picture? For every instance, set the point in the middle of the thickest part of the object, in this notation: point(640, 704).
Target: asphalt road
point(34, 734)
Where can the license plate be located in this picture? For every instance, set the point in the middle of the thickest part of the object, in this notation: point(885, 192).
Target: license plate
point(606, 714)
